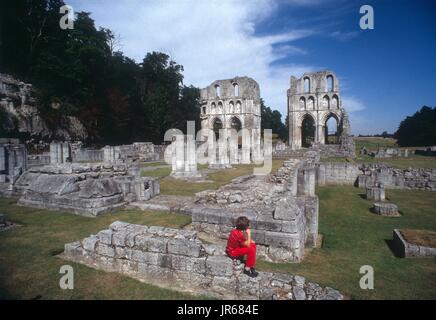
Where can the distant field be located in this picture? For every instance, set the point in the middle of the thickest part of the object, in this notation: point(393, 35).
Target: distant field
point(373, 143)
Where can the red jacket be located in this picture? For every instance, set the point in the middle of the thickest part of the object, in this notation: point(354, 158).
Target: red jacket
point(236, 240)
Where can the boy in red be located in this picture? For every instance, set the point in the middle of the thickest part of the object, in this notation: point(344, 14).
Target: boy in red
point(240, 244)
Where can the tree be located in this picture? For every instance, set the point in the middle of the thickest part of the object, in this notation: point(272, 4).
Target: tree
point(419, 129)
point(273, 120)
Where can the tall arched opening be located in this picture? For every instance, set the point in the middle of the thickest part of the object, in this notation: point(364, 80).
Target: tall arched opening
point(307, 131)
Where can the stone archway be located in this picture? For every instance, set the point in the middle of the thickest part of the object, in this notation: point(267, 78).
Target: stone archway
point(331, 129)
point(217, 125)
point(308, 130)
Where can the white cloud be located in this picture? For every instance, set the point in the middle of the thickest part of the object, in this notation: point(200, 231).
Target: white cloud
point(211, 39)
point(344, 35)
point(352, 104)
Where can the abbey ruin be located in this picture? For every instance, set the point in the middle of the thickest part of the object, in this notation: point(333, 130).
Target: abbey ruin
point(282, 205)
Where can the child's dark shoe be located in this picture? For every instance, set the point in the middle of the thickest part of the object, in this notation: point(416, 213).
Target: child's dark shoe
point(251, 273)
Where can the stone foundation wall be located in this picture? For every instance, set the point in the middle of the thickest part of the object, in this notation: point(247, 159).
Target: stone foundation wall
point(13, 160)
point(367, 175)
point(408, 250)
point(412, 178)
point(87, 155)
point(83, 189)
point(337, 173)
point(178, 260)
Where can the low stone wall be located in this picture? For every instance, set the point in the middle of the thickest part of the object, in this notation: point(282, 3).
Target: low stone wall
point(367, 175)
point(38, 160)
point(88, 189)
point(87, 155)
point(408, 250)
point(412, 178)
point(337, 173)
point(178, 260)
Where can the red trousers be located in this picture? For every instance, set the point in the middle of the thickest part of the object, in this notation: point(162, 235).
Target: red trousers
point(250, 252)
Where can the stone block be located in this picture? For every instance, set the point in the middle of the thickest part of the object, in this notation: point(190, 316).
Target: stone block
point(151, 243)
point(287, 209)
point(118, 225)
point(90, 243)
point(280, 239)
point(219, 266)
point(105, 236)
point(185, 247)
point(105, 250)
point(119, 238)
point(386, 209)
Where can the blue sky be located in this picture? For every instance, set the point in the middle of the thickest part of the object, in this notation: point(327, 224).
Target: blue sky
point(385, 74)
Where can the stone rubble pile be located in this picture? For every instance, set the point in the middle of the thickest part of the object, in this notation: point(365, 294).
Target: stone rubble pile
point(177, 259)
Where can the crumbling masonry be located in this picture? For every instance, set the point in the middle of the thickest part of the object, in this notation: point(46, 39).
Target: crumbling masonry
point(178, 260)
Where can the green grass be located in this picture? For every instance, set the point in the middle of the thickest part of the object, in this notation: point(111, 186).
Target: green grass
point(157, 173)
point(355, 237)
point(153, 164)
point(30, 270)
point(373, 143)
point(170, 186)
point(413, 161)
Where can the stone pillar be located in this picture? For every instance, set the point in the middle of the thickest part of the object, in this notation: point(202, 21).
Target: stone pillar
point(2, 158)
point(179, 154)
point(320, 132)
point(66, 152)
point(54, 153)
point(109, 154)
point(191, 156)
point(246, 146)
point(376, 193)
point(308, 186)
point(255, 134)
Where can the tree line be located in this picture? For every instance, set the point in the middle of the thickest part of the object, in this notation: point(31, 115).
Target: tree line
point(117, 99)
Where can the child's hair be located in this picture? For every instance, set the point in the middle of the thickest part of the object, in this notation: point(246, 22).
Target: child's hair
point(242, 223)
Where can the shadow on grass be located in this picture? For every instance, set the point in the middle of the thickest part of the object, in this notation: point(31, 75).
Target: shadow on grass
point(394, 250)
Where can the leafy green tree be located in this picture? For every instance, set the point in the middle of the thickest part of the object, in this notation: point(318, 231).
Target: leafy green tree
point(419, 129)
point(272, 119)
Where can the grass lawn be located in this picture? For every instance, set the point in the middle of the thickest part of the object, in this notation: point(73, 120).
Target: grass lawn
point(177, 187)
point(414, 161)
point(355, 237)
point(29, 269)
point(373, 143)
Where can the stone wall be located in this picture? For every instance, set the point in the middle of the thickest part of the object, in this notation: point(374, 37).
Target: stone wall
point(178, 260)
point(337, 173)
point(405, 249)
point(282, 208)
point(367, 175)
point(138, 151)
point(412, 178)
point(87, 155)
point(88, 189)
point(13, 160)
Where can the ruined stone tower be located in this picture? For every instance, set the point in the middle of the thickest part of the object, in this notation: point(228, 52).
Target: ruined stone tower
point(312, 101)
point(233, 104)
